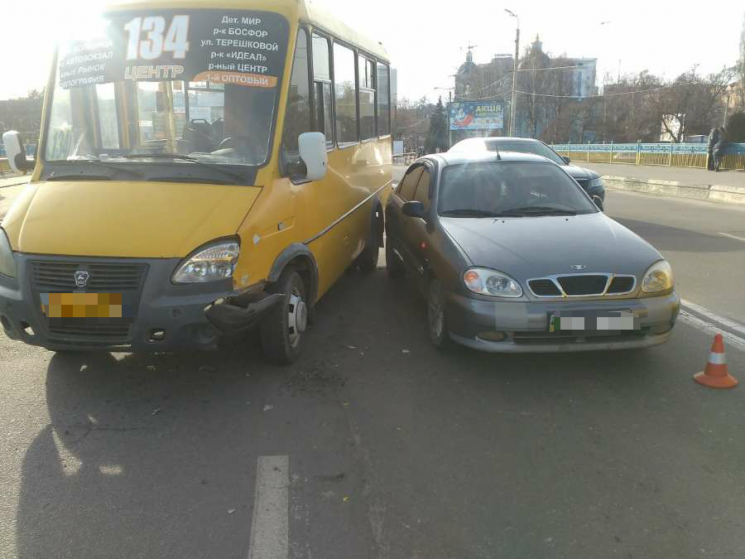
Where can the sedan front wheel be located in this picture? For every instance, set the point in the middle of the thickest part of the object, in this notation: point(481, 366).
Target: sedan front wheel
point(437, 319)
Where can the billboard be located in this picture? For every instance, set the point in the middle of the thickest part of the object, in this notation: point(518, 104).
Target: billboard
point(473, 115)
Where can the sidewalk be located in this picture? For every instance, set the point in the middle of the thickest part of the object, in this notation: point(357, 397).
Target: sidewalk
point(691, 177)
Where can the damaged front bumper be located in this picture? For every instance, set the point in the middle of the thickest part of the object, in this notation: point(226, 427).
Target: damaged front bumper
point(165, 316)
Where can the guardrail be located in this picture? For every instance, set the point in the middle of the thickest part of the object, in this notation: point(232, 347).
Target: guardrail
point(694, 156)
point(405, 158)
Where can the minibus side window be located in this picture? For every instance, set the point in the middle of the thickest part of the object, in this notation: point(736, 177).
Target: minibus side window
point(384, 100)
point(297, 115)
point(366, 78)
point(322, 84)
point(346, 95)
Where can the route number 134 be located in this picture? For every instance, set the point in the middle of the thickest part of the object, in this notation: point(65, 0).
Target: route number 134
point(157, 40)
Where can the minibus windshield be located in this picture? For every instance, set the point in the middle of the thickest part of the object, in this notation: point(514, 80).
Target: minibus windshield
point(143, 86)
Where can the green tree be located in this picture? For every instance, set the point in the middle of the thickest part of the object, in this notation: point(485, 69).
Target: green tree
point(736, 127)
point(437, 138)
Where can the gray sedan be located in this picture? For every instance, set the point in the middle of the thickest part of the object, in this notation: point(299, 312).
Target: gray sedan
point(512, 255)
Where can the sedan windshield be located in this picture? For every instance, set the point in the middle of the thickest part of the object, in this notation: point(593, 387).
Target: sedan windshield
point(198, 86)
point(510, 189)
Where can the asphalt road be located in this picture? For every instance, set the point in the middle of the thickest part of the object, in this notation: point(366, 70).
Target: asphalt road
point(377, 446)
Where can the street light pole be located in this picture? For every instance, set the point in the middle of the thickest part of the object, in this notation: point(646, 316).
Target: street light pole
point(513, 101)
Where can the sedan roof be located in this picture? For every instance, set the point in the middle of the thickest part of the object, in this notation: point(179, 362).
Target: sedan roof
point(461, 157)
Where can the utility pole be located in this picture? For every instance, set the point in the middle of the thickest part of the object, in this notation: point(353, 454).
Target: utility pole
point(513, 101)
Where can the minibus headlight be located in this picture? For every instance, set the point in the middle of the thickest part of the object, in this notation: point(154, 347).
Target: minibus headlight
point(7, 263)
point(210, 263)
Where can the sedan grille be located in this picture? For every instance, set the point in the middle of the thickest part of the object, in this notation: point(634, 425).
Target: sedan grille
point(587, 285)
point(583, 285)
point(623, 284)
point(544, 288)
point(55, 276)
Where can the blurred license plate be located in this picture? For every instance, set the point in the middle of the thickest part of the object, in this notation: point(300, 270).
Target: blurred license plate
point(593, 321)
point(64, 308)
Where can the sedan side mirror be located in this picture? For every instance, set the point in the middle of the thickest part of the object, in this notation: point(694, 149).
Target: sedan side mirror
point(567, 160)
point(598, 202)
point(313, 153)
point(413, 209)
point(16, 152)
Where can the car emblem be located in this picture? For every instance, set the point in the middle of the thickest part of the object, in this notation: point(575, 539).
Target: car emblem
point(579, 267)
point(81, 278)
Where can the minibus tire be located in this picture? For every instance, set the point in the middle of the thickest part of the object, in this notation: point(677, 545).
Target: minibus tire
point(367, 261)
point(276, 337)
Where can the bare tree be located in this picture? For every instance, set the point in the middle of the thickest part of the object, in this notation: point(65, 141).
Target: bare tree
point(692, 103)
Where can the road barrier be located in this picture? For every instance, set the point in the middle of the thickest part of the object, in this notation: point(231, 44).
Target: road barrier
point(694, 156)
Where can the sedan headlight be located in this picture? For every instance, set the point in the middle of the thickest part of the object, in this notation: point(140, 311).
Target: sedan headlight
point(7, 263)
point(491, 283)
point(594, 183)
point(210, 263)
point(658, 278)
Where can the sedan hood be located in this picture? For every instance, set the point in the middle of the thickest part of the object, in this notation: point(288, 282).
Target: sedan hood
point(532, 247)
point(580, 174)
point(124, 219)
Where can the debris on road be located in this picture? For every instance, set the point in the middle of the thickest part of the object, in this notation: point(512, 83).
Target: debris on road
point(405, 351)
point(268, 407)
point(207, 369)
point(231, 511)
point(156, 411)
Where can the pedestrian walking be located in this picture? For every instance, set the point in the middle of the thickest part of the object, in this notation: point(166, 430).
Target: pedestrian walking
point(719, 150)
point(714, 137)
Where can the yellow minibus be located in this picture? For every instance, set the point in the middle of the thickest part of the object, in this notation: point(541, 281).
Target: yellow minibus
point(204, 169)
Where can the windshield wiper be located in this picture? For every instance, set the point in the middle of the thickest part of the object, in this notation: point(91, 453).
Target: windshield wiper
point(236, 178)
point(468, 212)
point(538, 211)
point(94, 162)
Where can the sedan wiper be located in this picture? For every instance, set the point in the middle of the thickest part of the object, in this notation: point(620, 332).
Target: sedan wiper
point(236, 178)
point(468, 212)
point(538, 210)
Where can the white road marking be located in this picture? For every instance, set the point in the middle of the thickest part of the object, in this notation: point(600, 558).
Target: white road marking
point(713, 317)
point(270, 525)
point(707, 327)
point(733, 237)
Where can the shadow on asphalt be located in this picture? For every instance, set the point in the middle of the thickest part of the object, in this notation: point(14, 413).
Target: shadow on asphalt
point(664, 237)
point(128, 432)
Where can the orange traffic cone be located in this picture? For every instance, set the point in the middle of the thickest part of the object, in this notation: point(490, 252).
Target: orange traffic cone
point(716, 374)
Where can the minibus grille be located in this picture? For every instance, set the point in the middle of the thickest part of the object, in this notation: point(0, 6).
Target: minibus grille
point(50, 276)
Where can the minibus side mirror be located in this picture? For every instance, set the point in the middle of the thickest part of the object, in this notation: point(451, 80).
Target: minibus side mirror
point(313, 153)
point(16, 152)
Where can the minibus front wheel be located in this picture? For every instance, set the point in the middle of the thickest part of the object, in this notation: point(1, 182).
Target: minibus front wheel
point(283, 328)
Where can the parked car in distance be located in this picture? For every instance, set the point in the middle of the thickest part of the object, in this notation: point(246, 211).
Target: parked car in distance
point(513, 256)
point(587, 179)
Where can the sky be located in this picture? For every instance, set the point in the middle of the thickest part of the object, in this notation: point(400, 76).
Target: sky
point(427, 39)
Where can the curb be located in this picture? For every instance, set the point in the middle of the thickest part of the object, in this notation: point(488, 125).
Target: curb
point(706, 192)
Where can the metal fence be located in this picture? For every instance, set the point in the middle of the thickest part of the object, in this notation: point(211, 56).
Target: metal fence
point(670, 155)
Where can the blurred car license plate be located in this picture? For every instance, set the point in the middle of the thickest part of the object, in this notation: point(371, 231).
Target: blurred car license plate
point(593, 321)
point(85, 307)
